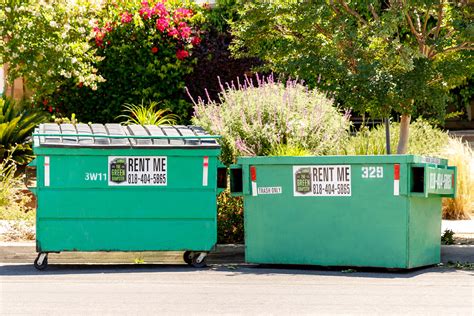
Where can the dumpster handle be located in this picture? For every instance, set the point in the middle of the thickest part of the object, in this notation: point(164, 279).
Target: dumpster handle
point(128, 136)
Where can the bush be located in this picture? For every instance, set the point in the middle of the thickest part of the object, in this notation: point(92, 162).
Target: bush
point(230, 219)
point(145, 51)
point(459, 154)
point(47, 42)
point(424, 140)
point(142, 114)
point(14, 202)
point(255, 119)
point(447, 238)
point(17, 122)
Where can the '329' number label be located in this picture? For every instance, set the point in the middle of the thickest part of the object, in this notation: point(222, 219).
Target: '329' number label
point(372, 172)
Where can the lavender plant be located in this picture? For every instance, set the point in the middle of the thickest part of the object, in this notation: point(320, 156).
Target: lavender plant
point(260, 117)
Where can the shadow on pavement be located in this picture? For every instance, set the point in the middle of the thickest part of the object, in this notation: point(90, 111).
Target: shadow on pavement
point(231, 269)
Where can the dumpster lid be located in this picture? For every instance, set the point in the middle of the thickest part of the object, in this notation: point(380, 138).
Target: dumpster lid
point(121, 136)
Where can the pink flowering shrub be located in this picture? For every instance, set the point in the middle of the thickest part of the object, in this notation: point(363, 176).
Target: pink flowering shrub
point(146, 50)
point(174, 27)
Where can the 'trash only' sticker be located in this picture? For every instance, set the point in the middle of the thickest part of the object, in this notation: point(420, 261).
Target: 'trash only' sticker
point(323, 180)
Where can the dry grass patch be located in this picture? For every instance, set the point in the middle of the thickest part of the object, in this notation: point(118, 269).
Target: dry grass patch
point(459, 154)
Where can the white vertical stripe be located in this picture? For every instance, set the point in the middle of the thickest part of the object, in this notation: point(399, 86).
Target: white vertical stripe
point(254, 188)
point(46, 171)
point(396, 187)
point(205, 172)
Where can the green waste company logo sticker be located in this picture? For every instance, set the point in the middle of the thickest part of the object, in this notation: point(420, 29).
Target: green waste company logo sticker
point(303, 180)
point(118, 170)
point(138, 170)
point(322, 180)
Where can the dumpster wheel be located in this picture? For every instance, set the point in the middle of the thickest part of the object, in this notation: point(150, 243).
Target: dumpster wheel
point(41, 261)
point(199, 260)
point(188, 257)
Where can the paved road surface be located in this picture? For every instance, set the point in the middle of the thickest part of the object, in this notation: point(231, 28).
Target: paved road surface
point(221, 289)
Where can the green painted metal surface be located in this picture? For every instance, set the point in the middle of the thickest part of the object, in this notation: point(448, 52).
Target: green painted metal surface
point(344, 210)
point(126, 199)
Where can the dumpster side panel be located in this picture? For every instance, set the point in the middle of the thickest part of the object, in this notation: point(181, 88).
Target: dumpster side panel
point(424, 231)
point(357, 230)
point(78, 209)
point(126, 235)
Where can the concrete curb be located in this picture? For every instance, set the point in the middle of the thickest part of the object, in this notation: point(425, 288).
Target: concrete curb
point(25, 252)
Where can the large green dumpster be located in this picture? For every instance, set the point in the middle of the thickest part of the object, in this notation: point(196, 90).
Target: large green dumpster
point(370, 211)
point(125, 188)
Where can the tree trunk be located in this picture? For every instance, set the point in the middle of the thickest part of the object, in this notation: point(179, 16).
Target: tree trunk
point(404, 131)
point(387, 136)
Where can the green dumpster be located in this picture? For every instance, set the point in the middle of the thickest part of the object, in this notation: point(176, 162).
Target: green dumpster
point(125, 188)
point(368, 211)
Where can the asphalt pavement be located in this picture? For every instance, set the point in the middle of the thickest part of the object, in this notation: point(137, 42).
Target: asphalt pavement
point(230, 289)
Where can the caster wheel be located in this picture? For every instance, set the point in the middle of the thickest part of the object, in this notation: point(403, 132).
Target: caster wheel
point(199, 261)
point(188, 257)
point(41, 262)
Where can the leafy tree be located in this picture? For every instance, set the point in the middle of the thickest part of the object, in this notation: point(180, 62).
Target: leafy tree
point(48, 41)
point(375, 56)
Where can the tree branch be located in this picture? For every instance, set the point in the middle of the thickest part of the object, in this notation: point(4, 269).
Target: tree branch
point(463, 46)
point(323, 31)
point(412, 28)
point(374, 14)
point(440, 18)
point(424, 49)
point(286, 31)
point(425, 22)
point(418, 21)
point(334, 8)
point(352, 12)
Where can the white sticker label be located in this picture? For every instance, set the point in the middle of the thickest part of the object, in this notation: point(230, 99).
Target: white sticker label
point(431, 160)
point(269, 190)
point(324, 180)
point(139, 170)
point(439, 181)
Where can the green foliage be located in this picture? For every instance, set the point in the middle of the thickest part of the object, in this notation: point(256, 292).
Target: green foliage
point(469, 266)
point(374, 56)
point(13, 201)
point(17, 122)
point(461, 97)
point(257, 119)
point(447, 238)
point(148, 115)
point(47, 42)
point(65, 120)
point(230, 219)
point(221, 15)
point(424, 140)
point(145, 52)
point(7, 176)
point(289, 150)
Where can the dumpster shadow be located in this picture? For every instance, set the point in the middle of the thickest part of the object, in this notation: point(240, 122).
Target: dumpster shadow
point(72, 269)
point(231, 270)
point(357, 272)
